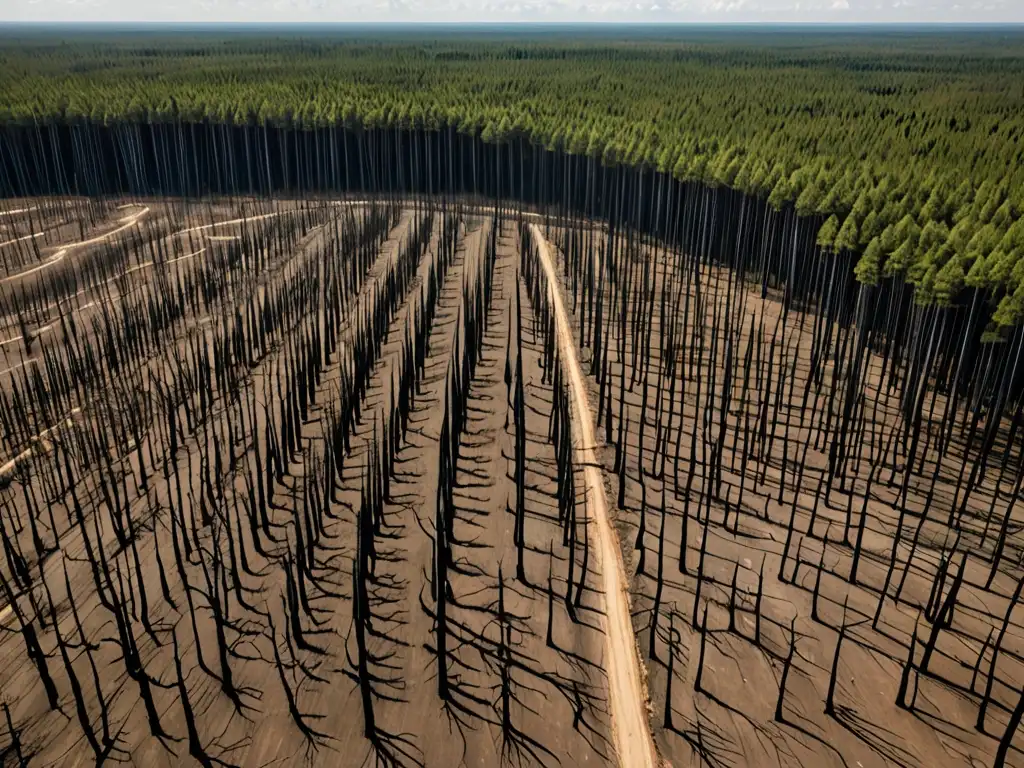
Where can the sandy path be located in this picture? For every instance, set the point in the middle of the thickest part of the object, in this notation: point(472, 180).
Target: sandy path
point(20, 239)
point(627, 698)
point(136, 268)
point(32, 270)
point(9, 466)
point(129, 221)
point(243, 220)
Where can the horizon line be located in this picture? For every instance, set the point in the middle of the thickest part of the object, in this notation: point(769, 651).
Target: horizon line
point(511, 23)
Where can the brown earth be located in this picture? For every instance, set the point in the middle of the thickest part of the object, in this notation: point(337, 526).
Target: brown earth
point(731, 721)
point(562, 710)
point(560, 702)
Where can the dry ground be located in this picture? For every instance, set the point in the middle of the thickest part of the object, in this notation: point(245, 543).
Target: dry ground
point(560, 700)
point(731, 722)
point(113, 260)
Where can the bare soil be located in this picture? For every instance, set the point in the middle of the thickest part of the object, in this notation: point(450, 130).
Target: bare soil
point(580, 696)
point(730, 722)
point(559, 709)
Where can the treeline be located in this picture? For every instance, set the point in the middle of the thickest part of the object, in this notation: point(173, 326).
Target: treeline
point(911, 161)
point(776, 248)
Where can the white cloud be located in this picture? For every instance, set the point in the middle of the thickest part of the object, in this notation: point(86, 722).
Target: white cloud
point(991, 11)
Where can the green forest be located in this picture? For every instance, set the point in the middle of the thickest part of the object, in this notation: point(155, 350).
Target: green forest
point(904, 146)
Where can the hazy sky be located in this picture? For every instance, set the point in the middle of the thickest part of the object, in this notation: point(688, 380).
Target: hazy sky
point(919, 11)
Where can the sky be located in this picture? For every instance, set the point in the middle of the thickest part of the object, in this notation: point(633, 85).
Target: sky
point(679, 11)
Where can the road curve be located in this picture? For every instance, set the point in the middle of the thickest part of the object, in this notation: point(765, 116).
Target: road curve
point(127, 223)
point(631, 733)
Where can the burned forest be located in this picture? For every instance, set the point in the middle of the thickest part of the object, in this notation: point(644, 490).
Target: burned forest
point(394, 440)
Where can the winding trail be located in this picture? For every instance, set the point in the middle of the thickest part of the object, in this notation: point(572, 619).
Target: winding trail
point(127, 222)
point(627, 698)
point(20, 239)
point(243, 220)
point(9, 467)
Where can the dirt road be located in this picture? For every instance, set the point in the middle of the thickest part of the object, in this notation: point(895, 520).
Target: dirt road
point(627, 699)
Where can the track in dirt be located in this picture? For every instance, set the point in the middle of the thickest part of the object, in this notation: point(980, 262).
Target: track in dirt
point(127, 223)
point(628, 698)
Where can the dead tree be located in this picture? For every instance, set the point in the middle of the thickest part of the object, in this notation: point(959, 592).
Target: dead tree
point(780, 716)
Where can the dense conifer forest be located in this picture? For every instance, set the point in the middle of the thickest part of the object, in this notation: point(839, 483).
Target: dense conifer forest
point(904, 148)
point(517, 397)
